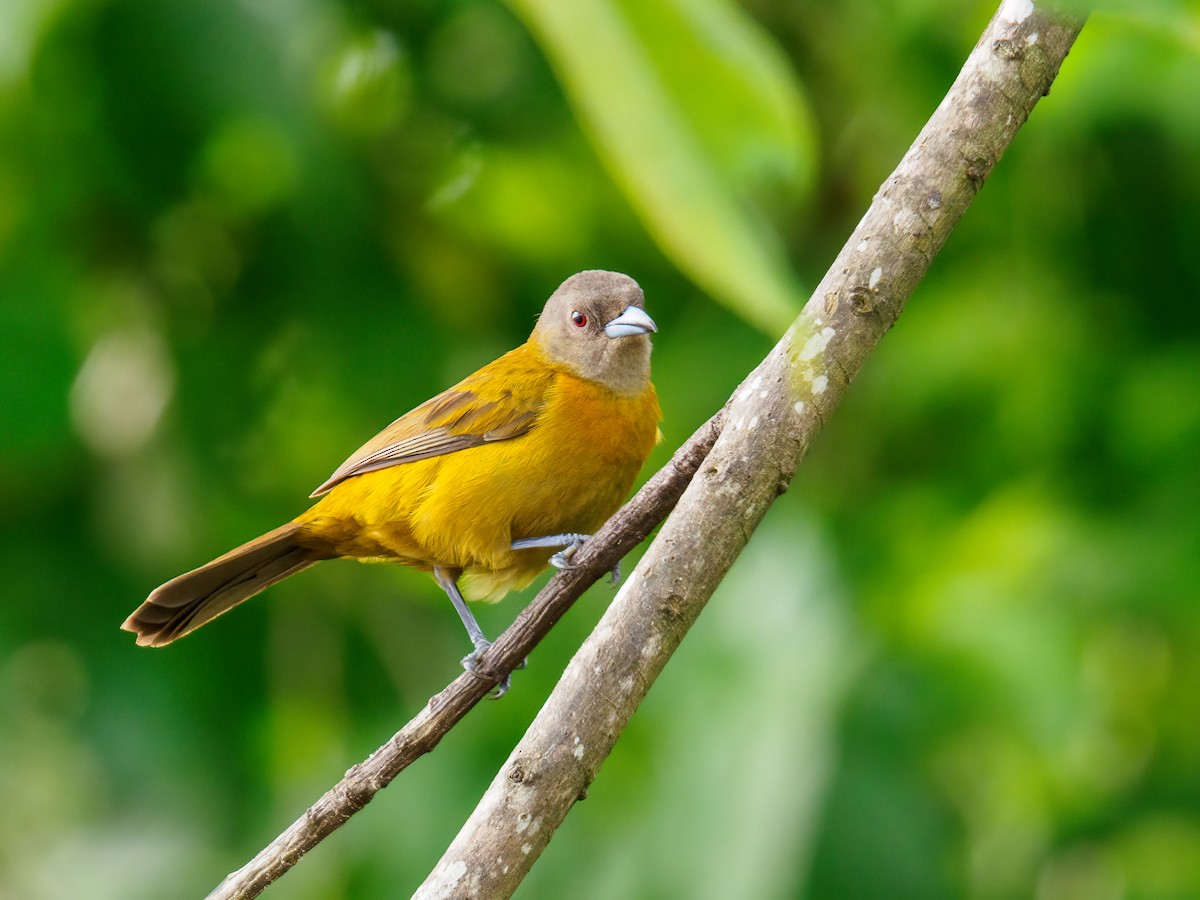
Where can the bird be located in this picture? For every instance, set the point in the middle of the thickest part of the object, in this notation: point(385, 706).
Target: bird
point(483, 486)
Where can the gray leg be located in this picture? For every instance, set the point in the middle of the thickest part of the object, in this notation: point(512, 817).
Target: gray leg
point(570, 542)
point(474, 632)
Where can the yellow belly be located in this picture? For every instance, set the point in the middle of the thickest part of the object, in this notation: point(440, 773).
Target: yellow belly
point(462, 511)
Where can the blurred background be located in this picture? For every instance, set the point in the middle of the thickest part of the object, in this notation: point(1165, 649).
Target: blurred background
point(959, 659)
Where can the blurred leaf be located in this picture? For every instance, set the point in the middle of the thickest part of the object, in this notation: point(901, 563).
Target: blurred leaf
point(1177, 18)
point(657, 86)
point(365, 88)
point(251, 165)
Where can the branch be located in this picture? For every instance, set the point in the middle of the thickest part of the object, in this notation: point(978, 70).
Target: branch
point(771, 421)
point(624, 531)
point(774, 417)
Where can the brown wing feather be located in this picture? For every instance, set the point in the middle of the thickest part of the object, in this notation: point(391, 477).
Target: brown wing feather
point(499, 402)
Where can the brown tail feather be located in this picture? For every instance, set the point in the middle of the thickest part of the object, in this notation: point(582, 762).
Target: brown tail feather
point(193, 598)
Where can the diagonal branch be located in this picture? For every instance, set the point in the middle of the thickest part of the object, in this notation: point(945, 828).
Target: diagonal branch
point(764, 431)
point(770, 423)
point(624, 531)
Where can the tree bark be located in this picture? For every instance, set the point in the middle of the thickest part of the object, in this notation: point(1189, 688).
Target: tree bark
point(625, 530)
point(769, 424)
point(765, 429)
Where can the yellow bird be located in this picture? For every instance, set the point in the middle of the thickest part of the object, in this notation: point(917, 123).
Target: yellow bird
point(484, 482)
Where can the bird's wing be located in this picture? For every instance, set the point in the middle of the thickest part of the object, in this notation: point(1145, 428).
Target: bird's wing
point(499, 402)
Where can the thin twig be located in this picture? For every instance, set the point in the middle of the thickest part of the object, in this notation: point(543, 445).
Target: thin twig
point(625, 530)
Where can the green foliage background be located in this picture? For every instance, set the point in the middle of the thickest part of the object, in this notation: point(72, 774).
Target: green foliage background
point(959, 659)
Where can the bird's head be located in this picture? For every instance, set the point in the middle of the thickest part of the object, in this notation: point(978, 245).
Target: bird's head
point(596, 326)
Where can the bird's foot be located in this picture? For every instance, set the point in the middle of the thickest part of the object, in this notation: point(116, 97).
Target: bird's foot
point(570, 544)
point(470, 662)
point(562, 559)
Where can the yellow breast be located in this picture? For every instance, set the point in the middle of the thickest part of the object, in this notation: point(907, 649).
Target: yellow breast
point(462, 511)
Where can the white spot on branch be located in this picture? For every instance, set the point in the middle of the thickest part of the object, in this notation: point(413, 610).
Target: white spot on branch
point(1016, 11)
point(876, 274)
point(448, 878)
point(799, 407)
point(651, 646)
point(749, 390)
point(526, 821)
point(905, 219)
point(817, 343)
point(819, 384)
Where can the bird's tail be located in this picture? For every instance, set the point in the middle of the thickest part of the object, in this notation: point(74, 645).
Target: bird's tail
point(193, 598)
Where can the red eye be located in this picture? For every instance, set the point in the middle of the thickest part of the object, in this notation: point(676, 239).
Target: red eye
point(578, 318)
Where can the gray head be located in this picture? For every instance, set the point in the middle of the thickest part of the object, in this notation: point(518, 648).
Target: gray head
point(595, 324)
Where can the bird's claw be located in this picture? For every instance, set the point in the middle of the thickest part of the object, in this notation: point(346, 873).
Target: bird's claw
point(562, 559)
point(470, 662)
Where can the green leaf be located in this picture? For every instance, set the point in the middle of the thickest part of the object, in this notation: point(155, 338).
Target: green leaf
point(695, 114)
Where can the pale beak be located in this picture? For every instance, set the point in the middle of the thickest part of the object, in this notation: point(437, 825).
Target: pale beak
point(632, 321)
